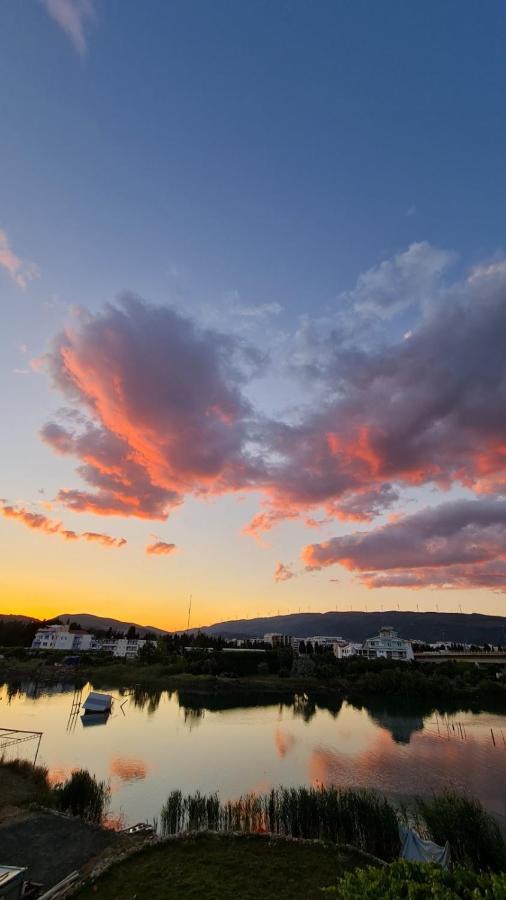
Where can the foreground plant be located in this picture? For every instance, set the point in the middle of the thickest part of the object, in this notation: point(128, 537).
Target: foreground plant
point(475, 838)
point(418, 880)
point(84, 796)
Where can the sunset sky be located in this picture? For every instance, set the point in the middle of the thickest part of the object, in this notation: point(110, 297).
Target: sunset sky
point(253, 296)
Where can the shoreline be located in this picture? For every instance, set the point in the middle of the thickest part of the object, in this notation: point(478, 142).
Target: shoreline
point(422, 691)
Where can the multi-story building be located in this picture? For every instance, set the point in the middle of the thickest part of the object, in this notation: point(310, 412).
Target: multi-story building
point(387, 645)
point(123, 647)
point(54, 637)
point(278, 640)
point(59, 637)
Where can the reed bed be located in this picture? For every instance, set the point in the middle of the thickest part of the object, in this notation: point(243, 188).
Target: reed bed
point(475, 838)
point(361, 818)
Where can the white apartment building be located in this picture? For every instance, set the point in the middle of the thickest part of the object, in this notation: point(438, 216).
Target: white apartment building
point(83, 641)
point(54, 637)
point(387, 645)
point(58, 637)
point(126, 648)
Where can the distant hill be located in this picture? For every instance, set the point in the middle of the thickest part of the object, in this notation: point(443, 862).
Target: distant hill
point(87, 621)
point(467, 628)
point(16, 617)
point(101, 623)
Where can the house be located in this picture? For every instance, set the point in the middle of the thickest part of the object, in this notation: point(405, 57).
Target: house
point(387, 645)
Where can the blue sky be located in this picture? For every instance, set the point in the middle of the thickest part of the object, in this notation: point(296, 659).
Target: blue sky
point(234, 154)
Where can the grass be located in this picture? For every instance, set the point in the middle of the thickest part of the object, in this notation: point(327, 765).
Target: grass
point(226, 867)
point(361, 818)
point(23, 784)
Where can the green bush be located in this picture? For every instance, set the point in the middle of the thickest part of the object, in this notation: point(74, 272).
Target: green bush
point(83, 796)
point(417, 881)
point(475, 838)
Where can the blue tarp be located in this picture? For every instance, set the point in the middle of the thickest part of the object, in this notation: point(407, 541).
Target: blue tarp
point(416, 849)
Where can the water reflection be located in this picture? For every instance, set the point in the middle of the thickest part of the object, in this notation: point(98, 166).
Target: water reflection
point(193, 716)
point(128, 768)
point(284, 741)
point(401, 728)
point(147, 699)
point(156, 741)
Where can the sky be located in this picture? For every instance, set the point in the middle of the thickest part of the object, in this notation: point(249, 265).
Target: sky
point(253, 301)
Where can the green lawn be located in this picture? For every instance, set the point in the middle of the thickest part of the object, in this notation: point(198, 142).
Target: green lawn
point(225, 867)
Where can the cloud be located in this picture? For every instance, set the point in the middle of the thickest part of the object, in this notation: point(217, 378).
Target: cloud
point(73, 16)
point(456, 544)
point(164, 409)
point(160, 548)
point(427, 410)
point(21, 271)
point(40, 522)
point(166, 416)
point(409, 278)
point(283, 573)
point(104, 539)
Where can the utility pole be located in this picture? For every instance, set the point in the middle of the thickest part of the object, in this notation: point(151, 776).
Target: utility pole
point(189, 612)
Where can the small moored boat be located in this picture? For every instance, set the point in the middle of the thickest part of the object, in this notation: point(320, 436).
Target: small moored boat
point(97, 703)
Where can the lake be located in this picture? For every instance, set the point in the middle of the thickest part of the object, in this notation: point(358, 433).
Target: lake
point(154, 742)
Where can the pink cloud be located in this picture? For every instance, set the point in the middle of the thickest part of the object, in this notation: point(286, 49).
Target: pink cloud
point(165, 415)
point(160, 548)
point(456, 544)
point(21, 271)
point(104, 539)
point(283, 573)
point(40, 522)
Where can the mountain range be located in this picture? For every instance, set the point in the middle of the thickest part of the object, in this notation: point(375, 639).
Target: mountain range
point(87, 621)
point(91, 622)
point(357, 626)
point(354, 626)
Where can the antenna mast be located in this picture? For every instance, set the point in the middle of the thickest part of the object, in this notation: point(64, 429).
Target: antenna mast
point(189, 612)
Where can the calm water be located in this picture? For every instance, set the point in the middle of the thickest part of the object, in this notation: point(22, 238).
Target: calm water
point(154, 743)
